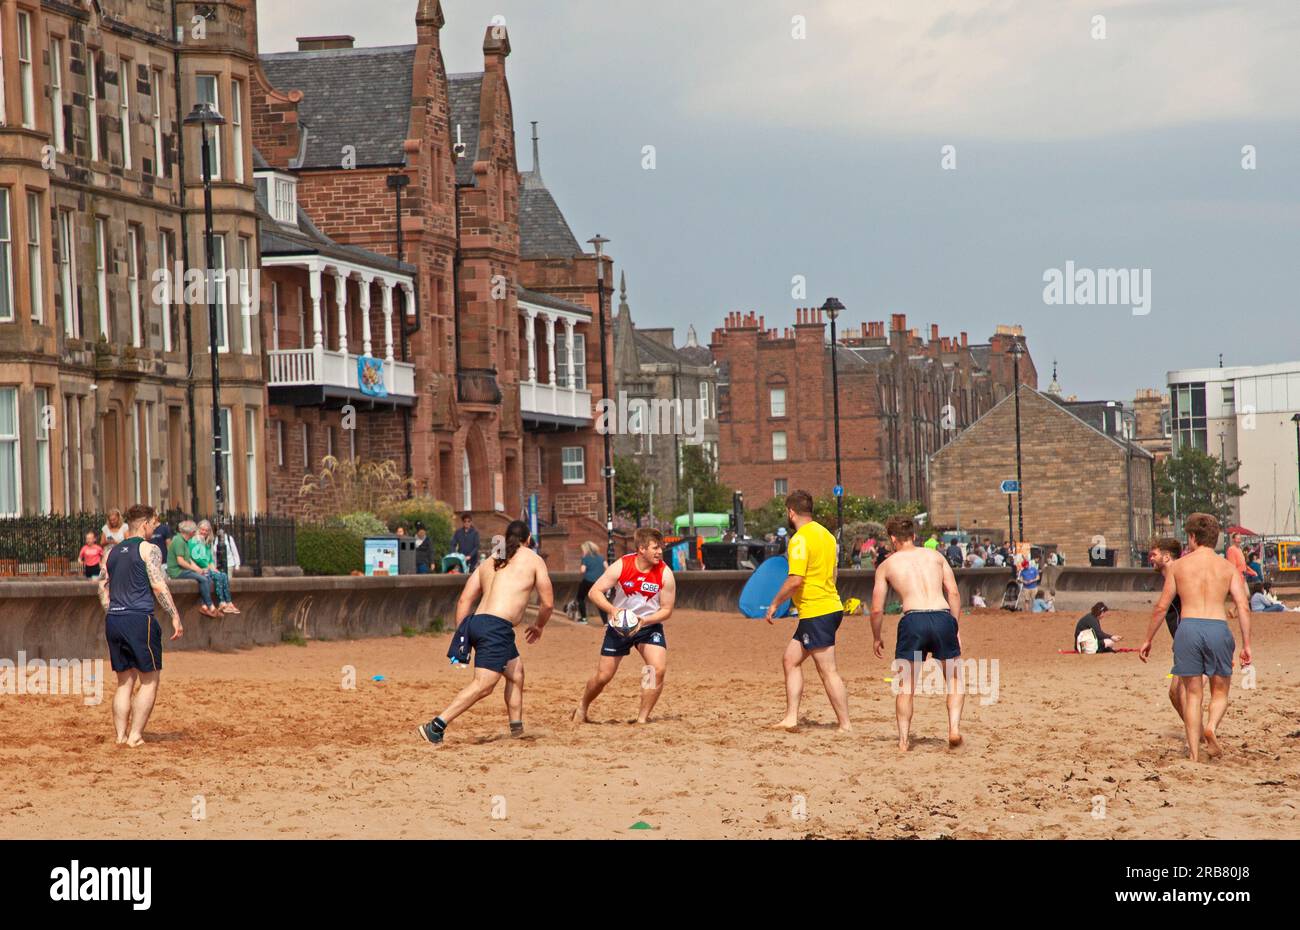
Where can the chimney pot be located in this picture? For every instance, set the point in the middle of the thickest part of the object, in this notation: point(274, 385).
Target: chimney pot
point(320, 43)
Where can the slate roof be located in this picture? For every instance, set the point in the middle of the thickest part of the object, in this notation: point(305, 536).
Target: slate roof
point(351, 96)
point(464, 92)
point(362, 97)
point(548, 300)
point(543, 230)
point(651, 351)
point(696, 355)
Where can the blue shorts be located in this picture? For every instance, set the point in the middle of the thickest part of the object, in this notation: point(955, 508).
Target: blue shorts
point(1203, 647)
point(818, 632)
point(928, 632)
point(616, 645)
point(134, 641)
point(493, 642)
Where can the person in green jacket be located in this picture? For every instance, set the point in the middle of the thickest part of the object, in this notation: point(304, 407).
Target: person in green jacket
point(201, 554)
point(180, 565)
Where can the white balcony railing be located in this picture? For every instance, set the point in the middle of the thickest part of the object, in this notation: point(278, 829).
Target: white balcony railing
point(553, 400)
point(299, 367)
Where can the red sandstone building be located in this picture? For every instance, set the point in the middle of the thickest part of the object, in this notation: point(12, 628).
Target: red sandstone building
point(901, 399)
point(494, 358)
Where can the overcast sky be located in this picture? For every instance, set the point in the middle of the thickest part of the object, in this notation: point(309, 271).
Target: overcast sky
point(822, 157)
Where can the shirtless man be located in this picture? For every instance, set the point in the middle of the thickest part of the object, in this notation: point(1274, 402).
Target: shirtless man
point(644, 584)
point(133, 578)
point(931, 606)
point(1203, 644)
point(501, 586)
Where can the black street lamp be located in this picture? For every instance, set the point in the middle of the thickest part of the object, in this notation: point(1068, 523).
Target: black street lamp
point(1223, 460)
point(204, 115)
point(832, 309)
point(598, 242)
point(1018, 350)
point(1296, 419)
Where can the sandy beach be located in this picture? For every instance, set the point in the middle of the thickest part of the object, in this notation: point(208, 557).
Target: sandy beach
point(266, 743)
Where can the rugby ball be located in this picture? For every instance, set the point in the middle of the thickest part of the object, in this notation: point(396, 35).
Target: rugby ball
point(624, 622)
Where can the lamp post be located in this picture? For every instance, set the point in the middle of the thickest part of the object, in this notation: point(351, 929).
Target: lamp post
point(1018, 350)
point(832, 309)
point(1223, 461)
point(204, 115)
point(598, 242)
point(1296, 419)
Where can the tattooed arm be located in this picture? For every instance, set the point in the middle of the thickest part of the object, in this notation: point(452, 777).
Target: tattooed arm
point(102, 584)
point(152, 556)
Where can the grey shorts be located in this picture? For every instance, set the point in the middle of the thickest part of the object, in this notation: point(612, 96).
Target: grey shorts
point(1203, 647)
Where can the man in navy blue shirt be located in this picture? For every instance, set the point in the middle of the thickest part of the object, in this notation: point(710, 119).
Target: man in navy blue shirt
point(131, 581)
point(465, 541)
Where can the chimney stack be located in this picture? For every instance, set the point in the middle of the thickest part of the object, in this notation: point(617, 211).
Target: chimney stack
point(322, 43)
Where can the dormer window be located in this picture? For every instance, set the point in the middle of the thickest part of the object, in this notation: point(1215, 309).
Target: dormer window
point(278, 193)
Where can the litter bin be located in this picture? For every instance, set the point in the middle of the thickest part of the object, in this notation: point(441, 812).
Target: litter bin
point(406, 555)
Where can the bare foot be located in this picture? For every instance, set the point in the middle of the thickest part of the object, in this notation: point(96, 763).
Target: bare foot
point(954, 740)
point(787, 724)
point(579, 715)
point(640, 720)
point(121, 741)
point(1212, 748)
point(845, 728)
point(135, 741)
point(904, 744)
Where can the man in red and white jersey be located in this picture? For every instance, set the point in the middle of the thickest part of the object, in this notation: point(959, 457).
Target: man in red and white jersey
point(643, 584)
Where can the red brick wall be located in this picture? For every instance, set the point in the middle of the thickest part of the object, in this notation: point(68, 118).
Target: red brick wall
point(892, 411)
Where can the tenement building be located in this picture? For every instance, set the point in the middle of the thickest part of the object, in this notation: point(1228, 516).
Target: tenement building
point(902, 399)
point(670, 393)
point(100, 202)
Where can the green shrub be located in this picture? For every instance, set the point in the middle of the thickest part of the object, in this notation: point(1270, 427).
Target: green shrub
point(361, 523)
point(330, 550)
point(436, 516)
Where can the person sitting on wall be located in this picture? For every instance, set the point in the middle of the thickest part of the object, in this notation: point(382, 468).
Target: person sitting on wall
point(202, 545)
point(181, 565)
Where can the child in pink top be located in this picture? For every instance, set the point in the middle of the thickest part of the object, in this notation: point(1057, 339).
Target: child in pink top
point(90, 556)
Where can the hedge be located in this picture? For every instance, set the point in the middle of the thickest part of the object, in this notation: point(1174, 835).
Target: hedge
point(330, 551)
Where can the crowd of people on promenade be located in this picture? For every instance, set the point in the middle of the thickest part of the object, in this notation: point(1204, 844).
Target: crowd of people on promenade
point(192, 552)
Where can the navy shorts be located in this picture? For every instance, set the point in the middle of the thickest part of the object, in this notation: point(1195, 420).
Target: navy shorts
point(928, 632)
point(818, 632)
point(493, 642)
point(616, 645)
point(134, 641)
point(1203, 647)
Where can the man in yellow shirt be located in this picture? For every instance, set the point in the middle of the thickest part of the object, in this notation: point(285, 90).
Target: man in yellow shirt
point(813, 555)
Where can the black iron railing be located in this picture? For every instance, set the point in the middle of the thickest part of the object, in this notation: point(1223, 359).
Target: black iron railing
point(48, 546)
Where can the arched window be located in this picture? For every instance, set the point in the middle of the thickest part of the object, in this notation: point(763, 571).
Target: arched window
point(467, 492)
